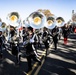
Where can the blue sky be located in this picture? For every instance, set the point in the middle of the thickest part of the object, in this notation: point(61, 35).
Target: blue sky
point(25, 7)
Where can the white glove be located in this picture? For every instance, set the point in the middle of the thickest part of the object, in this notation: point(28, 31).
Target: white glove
point(40, 41)
point(24, 43)
point(31, 40)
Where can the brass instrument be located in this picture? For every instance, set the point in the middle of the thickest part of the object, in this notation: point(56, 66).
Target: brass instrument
point(26, 23)
point(13, 19)
point(37, 20)
point(60, 22)
point(50, 23)
point(3, 26)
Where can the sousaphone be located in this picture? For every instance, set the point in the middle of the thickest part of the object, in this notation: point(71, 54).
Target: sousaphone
point(37, 20)
point(13, 19)
point(14, 22)
point(50, 23)
point(60, 22)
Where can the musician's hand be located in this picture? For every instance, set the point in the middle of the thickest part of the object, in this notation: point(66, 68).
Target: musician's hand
point(36, 41)
point(31, 40)
point(24, 43)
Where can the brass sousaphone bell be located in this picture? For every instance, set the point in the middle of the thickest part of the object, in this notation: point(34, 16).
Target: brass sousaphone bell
point(37, 20)
point(60, 22)
point(50, 23)
point(13, 19)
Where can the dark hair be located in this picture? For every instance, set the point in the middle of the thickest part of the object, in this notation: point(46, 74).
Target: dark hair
point(30, 28)
point(1, 33)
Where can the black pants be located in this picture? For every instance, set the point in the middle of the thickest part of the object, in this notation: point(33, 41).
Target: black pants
point(29, 60)
point(55, 44)
point(46, 46)
point(18, 58)
point(1, 53)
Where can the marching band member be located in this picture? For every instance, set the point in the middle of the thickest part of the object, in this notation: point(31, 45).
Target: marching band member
point(60, 32)
point(11, 34)
point(30, 49)
point(74, 29)
point(4, 30)
point(24, 33)
point(12, 31)
point(65, 30)
point(45, 39)
point(15, 44)
point(1, 43)
point(40, 38)
point(55, 36)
